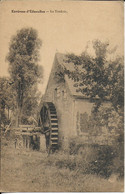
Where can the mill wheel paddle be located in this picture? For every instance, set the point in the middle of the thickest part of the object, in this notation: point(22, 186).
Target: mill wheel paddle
point(49, 122)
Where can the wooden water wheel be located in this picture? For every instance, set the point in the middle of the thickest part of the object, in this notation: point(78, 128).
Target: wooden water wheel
point(49, 122)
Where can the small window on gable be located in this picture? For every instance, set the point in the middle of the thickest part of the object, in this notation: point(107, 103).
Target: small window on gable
point(64, 94)
point(57, 92)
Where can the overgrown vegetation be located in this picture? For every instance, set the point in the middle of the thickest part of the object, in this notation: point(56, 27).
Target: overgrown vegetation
point(102, 160)
point(6, 100)
point(59, 171)
point(100, 77)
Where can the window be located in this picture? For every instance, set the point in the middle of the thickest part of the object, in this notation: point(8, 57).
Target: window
point(84, 122)
point(57, 92)
point(64, 94)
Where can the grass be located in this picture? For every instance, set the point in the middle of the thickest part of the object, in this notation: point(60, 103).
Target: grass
point(34, 171)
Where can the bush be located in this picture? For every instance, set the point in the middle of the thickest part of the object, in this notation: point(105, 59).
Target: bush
point(104, 160)
point(118, 162)
point(77, 146)
point(95, 159)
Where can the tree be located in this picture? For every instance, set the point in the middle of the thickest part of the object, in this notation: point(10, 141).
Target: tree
point(24, 68)
point(31, 104)
point(98, 77)
point(101, 78)
point(6, 99)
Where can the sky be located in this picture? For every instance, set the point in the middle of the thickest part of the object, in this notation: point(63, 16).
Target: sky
point(82, 22)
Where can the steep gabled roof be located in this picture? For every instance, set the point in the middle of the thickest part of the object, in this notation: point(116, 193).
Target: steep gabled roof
point(61, 58)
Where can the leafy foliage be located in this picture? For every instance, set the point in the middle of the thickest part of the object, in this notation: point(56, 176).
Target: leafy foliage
point(7, 97)
point(98, 77)
point(106, 118)
point(31, 103)
point(102, 80)
point(24, 66)
point(104, 161)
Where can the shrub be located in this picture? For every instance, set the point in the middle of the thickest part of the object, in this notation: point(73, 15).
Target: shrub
point(95, 159)
point(118, 162)
point(77, 145)
point(104, 161)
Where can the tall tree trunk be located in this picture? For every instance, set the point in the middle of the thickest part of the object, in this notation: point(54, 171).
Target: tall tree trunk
point(18, 115)
point(19, 104)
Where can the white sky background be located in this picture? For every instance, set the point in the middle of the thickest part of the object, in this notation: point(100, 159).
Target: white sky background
point(67, 32)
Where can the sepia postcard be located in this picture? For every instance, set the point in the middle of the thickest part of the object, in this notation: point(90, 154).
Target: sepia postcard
point(61, 96)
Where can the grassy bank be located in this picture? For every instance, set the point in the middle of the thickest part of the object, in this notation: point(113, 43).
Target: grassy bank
point(27, 170)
